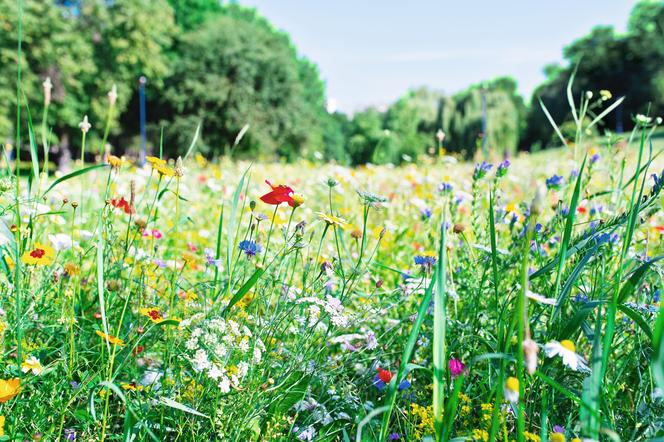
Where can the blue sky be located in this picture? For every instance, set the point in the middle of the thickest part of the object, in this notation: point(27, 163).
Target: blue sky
point(370, 52)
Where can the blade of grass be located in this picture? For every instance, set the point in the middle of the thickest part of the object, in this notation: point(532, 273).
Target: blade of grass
point(439, 331)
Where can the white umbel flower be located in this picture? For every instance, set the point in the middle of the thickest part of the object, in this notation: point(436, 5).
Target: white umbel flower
point(567, 351)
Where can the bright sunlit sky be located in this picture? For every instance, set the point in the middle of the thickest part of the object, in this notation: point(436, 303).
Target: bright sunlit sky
point(370, 52)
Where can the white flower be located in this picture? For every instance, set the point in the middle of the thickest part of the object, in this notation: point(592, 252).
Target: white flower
point(567, 351)
point(85, 125)
point(215, 373)
point(642, 119)
point(61, 241)
point(225, 385)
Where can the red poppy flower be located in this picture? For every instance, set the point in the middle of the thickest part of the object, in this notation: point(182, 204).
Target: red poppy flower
point(122, 204)
point(279, 194)
point(384, 375)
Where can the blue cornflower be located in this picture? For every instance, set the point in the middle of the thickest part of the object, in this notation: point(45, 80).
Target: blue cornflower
point(425, 262)
point(444, 187)
point(554, 182)
point(250, 248)
point(426, 212)
point(481, 170)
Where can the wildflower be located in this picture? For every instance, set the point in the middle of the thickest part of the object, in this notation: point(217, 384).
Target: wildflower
point(557, 437)
point(332, 220)
point(530, 350)
point(32, 364)
point(179, 168)
point(61, 241)
point(48, 86)
point(643, 120)
point(426, 262)
point(426, 212)
point(481, 170)
point(70, 434)
point(9, 389)
point(132, 386)
point(444, 187)
point(113, 95)
point(567, 351)
point(298, 199)
point(115, 162)
point(154, 160)
point(384, 375)
point(152, 233)
point(502, 168)
point(394, 436)
point(371, 199)
point(279, 194)
point(539, 298)
point(123, 204)
point(163, 169)
point(511, 389)
point(250, 248)
point(153, 314)
point(456, 367)
point(85, 125)
point(605, 94)
point(41, 254)
point(554, 182)
point(110, 338)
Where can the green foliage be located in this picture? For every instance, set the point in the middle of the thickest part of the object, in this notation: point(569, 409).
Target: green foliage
point(236, 70)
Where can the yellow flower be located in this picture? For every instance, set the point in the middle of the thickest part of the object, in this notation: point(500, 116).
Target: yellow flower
point(155, 160)
point(110, 338)
point(512, 389)
point(332, 220)
point(298, 199)
point(163, 169)
point(2, 425)
point(114, 161)
point(41, 254)
point(153, 313)
point(132, 386)
point(71, 269)
point(9, 388)
point(32, 364)
point(557, 437)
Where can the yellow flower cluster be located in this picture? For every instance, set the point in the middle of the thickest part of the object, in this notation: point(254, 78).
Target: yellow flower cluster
point(423, 417)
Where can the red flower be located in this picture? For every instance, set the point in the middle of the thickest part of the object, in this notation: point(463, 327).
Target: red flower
point(384, 375)
point(122, 204)
point(280, 194)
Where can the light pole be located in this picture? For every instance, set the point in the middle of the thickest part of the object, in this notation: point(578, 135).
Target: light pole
point(141, 109)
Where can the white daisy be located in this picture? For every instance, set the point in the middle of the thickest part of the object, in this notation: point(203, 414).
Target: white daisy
point(567, 351)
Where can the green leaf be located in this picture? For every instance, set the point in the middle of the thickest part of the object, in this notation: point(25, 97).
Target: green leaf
point(74, 175)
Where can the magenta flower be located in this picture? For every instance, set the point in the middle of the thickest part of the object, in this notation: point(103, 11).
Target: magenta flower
point(456, 367)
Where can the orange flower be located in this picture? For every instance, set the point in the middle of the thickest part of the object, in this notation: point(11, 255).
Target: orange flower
point(9, 389)
point(110, 338)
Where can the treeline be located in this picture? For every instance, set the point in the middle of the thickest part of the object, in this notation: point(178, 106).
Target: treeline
point(225, 67)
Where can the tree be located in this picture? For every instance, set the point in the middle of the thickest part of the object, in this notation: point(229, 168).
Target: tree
point(236, 70)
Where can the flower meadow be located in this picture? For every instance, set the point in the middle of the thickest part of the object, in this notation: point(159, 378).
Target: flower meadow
point(511, 300)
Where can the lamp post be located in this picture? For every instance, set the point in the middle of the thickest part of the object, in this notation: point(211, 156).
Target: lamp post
point(141, 105)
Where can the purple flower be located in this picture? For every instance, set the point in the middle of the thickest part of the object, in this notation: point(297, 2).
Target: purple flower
point(394, 436)
point(426, 212)
point(481, 170)
point(558, 429)
point(554, 182)
point(594, 158)
point(502, 168)
point(250, 248)
point(456, 367)
point(210, 258)
point(444, 187)
point(70, 434)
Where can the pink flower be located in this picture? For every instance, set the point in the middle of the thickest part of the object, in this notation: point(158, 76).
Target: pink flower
point(456, 367)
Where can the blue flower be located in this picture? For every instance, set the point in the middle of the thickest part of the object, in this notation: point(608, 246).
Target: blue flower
point(425, 262)
point(481, 170)
point(444, 187)
point(502, 168)
point(426, 212)
point(250, 248)
point(554, 182)
point(394, 436)
point(656, 296)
